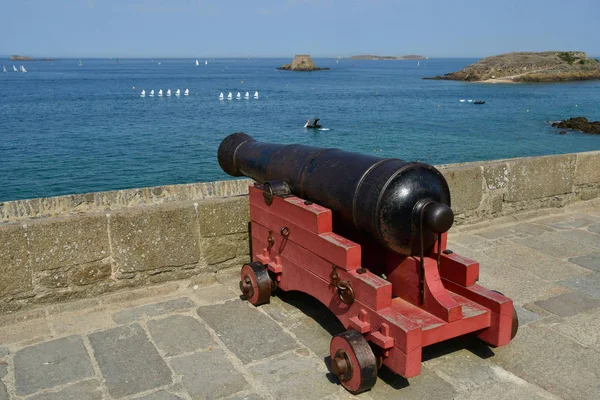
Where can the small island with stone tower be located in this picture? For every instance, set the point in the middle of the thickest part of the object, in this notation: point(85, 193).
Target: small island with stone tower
point(301, 62)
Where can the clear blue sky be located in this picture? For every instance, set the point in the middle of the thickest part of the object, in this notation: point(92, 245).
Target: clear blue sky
point(262, 28)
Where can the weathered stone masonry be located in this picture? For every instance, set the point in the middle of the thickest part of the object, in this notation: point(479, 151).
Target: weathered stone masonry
point(60, 248)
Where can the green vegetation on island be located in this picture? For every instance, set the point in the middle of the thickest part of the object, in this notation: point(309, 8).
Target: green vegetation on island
point(25, 58)
point(548, 66)
point(373, 57)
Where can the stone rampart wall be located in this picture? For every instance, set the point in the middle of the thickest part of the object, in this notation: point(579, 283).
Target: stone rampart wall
point(60, 248)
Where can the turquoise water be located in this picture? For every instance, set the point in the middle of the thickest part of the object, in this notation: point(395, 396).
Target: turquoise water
point(69, 129)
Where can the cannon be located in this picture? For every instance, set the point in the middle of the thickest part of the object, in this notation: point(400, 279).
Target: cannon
point(367, 237)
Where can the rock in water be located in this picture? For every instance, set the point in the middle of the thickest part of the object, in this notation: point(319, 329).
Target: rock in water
point(301, 62)
point(579, 124)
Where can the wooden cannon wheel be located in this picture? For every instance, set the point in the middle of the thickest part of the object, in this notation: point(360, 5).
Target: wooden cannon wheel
point(256, 283)
point(353, 361)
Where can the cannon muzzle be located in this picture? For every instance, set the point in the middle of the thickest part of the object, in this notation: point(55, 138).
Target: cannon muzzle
point(390, 199)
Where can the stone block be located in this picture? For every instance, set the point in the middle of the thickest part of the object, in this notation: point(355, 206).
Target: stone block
point(466, 186)
point(427, 385)
point(224, 216)
point(208, 375)
point(179, 334)
point(568, 304)
point(591, 261)
point(88, 390)
point(537, 177)
point(219, 249)
point(556, 245)
point(292, 376)
point(588, 193)
point(582, 237)
point(152, 310)
point(584, 328)
point(526, 316)
point(64, 242)
point(3, 392)
point(316, 336)
point(3, 352)
point(534, 262)
point(160, 395)
point(154, 237)
point(51, 279)
point(548, 359)
point(517, 390)
point(91, 273)
point(588, 168)
point(263, 339)
point(51, 364)
point(588, 284)
point(26, 331)
point(594, 228)
point(14, 267)
point(496, 175)
point(128, 361)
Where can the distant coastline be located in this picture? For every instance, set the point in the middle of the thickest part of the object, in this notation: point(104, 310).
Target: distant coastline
point(374, 57)
point(25, 58)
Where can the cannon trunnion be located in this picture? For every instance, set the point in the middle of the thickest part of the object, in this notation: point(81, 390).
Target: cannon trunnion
point(367, 237)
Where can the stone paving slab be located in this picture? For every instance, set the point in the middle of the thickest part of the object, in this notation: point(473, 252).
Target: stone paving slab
point(591, 261)
point(568, 304)
point(88, 390)
point(209, 374)
point(152, 310)
point(128, 360)
point(247, 332)
point(196, 339)
point(179, 334)
point(294, 376)
point(588, 284)
point(50, 364)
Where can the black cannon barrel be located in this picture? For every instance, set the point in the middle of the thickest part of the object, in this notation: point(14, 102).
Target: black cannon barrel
point(389, 199)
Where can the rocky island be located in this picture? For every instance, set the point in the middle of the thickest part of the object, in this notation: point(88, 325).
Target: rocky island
point(301, 62)
point(548, 66)
point(21, 58)
point(372, 57)
point(579, 124)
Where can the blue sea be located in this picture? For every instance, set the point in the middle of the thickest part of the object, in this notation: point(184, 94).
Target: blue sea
point(66, 128)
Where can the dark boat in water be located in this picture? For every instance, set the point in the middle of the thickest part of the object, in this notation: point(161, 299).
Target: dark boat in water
point(479, 102)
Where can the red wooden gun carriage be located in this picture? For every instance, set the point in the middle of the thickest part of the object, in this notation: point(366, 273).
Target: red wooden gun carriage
point(366, 236)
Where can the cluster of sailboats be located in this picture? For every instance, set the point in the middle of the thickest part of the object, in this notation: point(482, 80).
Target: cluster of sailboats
point(15, 69)
point(238, 96)
point(198, 63)
point(186, 92)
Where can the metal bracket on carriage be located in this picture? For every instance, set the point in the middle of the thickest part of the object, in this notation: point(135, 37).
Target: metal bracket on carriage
point(382, 338)
point(274, 188)
point(345, 290)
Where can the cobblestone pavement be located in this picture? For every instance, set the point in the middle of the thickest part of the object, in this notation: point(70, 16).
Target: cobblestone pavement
point(198, 340)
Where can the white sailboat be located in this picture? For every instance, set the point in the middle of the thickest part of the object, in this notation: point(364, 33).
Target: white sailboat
point(418, 63)
point(178, 92)
point(221, 97)
point(23, 68)
point(229, 96)
point(238, 96)
point(197, 63)
point(160, 93)
point(3, 68)
point(205, 62)
point(15, 69)
point(256, 95)
point(247, 95)
point(168, 92)
point(143, 94)
point(80, 63)
point(186, 92)
point(152, 93)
